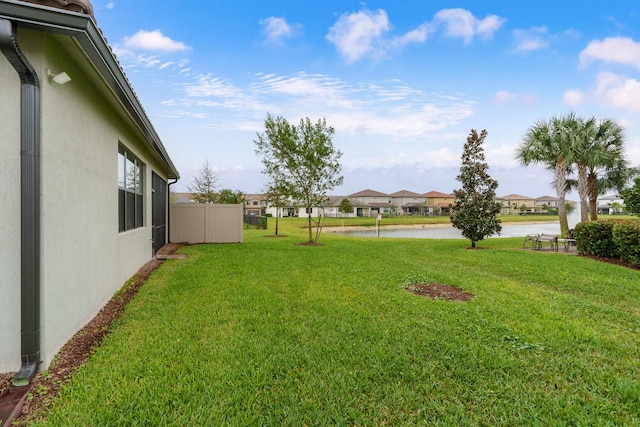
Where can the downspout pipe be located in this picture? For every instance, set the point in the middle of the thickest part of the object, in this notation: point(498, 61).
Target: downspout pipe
point(29, 204)
point(169, 209)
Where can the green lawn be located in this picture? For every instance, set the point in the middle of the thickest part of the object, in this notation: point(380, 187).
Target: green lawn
point(272, 333)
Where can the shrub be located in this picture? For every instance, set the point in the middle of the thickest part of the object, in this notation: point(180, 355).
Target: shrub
point(596, 238)
point(627, 239)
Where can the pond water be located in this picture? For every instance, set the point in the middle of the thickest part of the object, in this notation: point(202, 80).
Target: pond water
point(448, 232)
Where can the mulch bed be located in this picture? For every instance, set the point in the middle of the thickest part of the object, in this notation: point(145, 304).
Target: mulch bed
point(83, 344)
point(438, 291)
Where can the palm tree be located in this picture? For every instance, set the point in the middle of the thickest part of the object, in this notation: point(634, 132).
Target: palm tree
point(607, 166)
point(546, 143)
point(580, 135)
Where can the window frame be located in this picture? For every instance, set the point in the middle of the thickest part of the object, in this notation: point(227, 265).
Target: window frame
point(130, 190)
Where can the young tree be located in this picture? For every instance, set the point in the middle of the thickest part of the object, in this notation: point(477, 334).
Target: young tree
point(475, 211)
point(204, 185)
point(275, 195)
point(230, 197)
point(345, 206)
point(304, 157)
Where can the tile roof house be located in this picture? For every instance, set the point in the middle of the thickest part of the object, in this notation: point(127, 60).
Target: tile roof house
point(514, 204)
point(84, 199)
point(408, 202)
point(439, 203)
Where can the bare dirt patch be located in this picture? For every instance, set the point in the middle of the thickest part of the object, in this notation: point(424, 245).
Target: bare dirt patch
point(438, 291)
point(310, 244)
point(83, 344)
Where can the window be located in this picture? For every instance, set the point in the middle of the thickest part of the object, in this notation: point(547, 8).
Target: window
point(130, 197)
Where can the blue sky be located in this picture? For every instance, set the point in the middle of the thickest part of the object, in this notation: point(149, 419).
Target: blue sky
point(401, 82)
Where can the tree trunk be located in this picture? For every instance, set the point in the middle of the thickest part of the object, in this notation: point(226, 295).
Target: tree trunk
point(277, 215)
point(583, 192)
point(310, 227)
point(593, 197)
point(561, 189)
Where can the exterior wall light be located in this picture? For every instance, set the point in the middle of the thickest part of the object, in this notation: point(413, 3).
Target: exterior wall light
point(60, 78)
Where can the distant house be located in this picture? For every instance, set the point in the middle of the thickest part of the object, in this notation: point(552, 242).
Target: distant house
point(331, 208)
point(380, 203)
point(409, 203)
point(85, 179)
point(610, 205)
point(255, 204)
point(439, 203)
point(515, 204)
point(546, 201)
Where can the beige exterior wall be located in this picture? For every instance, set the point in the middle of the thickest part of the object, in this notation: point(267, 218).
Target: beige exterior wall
point(84, 259)
point(9, 217)
point(206, 223)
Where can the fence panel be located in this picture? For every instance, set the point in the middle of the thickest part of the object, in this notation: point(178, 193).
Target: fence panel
point(206, 223)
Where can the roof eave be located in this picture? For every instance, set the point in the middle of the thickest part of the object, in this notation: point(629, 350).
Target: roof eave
point(85, 32)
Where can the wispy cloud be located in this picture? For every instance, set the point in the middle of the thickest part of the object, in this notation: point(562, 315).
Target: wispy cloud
point(153, 40)
point(277, 30)
point(534, 38)
point(461, 23)
point(390, 108)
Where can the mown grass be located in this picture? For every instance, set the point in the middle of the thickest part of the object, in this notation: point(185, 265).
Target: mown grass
point(272, 333)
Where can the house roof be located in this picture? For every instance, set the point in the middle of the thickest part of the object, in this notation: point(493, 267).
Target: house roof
point(546, 199)
point(74, 18)
point(368, 193)
point(437, 194)
point(405, 193)
point(81, 6)
point(334, 201)
point(515, 197)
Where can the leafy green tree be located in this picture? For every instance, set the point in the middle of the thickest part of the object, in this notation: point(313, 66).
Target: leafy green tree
point(230, 197)
point(345, 206)
point(475, 211)
point(204, 185)
point(545, 143)
point(304, 157)
point(631, 197)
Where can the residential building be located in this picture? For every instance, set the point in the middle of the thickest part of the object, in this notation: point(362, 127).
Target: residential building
point(439, 203)
point(409, 203)
point(85, 179)
point(515, 204)
point(380, 203)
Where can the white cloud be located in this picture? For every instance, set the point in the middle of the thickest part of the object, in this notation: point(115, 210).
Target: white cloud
point(574, 97)
point(111, 5)
point(621, 50)
point(618, 91)
point(361, 33)
point(276, 30)
point(366, 34)
point(461, 23)
point(153, 40)
point(535, 38)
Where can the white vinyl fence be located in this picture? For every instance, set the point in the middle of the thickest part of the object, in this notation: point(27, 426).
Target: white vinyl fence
point(205, 223)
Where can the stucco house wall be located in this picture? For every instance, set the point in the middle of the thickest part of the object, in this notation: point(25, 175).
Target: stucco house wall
point(84, 257)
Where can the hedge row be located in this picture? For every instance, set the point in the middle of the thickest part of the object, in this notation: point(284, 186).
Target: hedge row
point(610, 239)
